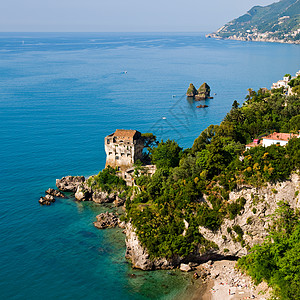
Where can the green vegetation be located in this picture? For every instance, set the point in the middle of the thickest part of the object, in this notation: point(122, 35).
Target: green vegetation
point(235, 208)
point(277, 260)
point(166, 155)
point(215, 165)
point(107, 180)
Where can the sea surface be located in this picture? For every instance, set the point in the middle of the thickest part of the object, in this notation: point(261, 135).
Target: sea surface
point(60, 95)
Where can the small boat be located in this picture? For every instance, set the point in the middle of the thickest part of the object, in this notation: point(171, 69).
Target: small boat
point(164, 118)
point(173, 96)
point(215, 94)
point(125, 72)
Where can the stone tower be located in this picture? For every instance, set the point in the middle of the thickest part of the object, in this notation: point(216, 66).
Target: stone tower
point(123, 148)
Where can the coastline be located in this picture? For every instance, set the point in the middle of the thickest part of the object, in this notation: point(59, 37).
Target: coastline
point(224, 282)
point(246, 39)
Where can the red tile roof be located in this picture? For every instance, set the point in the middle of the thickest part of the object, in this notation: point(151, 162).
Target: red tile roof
point(280, 136)
point(125, 134)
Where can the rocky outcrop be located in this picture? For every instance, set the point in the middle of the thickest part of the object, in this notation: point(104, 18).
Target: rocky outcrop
point(119, 201)
point(84, 192)
point(106, 220)
point(191, 91)
point(201, 94)
point(55, 193)
point(103, 197)
point(139, 256)
point(69, 183)
point(202, 106)
point(47, 200)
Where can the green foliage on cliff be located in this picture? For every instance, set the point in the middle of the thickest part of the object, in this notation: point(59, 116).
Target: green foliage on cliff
point(214, 166)
point(107, 180)
point(277, 260)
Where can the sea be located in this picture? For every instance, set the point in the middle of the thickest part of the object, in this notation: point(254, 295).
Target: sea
point(60, 95)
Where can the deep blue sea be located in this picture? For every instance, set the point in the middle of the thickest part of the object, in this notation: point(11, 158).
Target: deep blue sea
point(60, 95)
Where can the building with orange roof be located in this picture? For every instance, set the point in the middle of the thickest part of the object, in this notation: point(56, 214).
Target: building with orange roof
point(278, 138)
point(123, 148)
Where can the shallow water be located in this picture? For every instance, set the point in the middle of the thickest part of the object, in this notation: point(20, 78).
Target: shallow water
point(60, 95)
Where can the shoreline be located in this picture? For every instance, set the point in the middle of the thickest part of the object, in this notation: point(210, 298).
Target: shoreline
point(224, 282)
point(245, 39)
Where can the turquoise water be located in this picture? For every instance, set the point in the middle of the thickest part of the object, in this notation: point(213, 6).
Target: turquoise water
point(60, 95)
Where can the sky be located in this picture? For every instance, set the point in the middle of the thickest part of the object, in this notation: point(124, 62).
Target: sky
point(120, 15)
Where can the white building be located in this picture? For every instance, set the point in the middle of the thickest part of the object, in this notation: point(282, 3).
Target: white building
point(123, 148)
point(278, 138)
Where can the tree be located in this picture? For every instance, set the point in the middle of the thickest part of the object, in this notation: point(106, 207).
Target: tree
point(235, 104)
point(166, 154)
point(204, 138)
point(149, 139)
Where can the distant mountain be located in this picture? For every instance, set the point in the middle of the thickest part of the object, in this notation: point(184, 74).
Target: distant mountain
point(278, 22)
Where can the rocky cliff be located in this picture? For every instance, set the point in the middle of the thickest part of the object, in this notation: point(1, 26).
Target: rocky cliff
point(235, 237)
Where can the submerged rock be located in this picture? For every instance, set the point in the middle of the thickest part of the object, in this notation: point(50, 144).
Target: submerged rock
point(105, 220)
point(55, 193)
point(69, 183)
point(202, 106)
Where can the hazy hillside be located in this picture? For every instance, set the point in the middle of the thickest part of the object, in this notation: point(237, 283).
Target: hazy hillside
point(278, 22)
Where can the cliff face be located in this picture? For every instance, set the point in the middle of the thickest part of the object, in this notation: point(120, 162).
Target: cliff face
point(235, 237)
point(255, 218)
point(139, 256)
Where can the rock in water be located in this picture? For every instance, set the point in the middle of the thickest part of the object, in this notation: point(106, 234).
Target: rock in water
point(69, 183)
point(47, 200)
point(55, 193)
point(203, 92)
point(105, 220)
point(82, 194)
point(191, 92)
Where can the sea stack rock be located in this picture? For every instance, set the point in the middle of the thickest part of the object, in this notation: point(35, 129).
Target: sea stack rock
point(203, 92)
point(191, 92)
